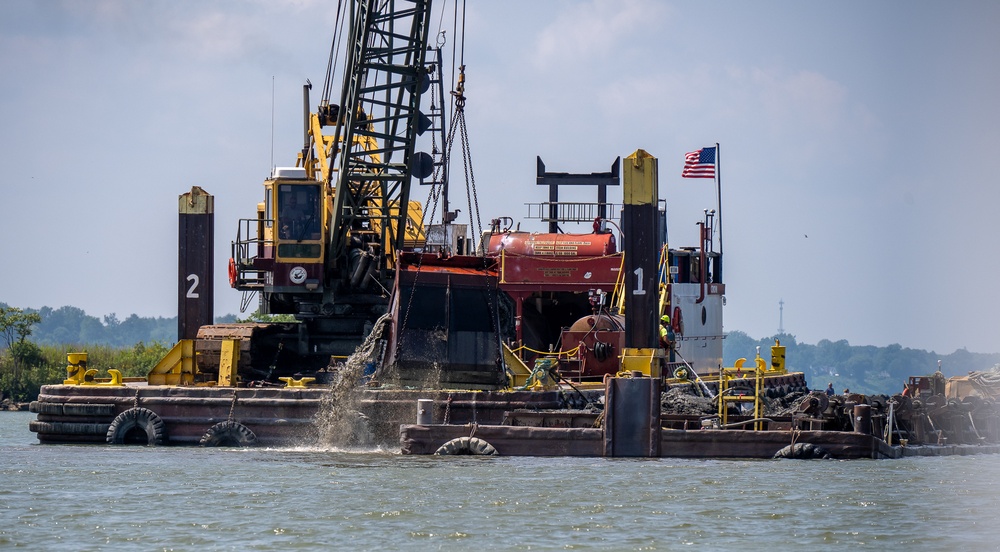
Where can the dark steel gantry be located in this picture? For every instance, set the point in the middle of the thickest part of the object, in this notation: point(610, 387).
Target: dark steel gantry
point(384, 78)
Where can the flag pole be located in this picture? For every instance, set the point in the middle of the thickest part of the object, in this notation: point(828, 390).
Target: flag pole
point(718, 191)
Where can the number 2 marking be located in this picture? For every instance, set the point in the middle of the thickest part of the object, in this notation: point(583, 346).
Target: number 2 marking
point(191, 293)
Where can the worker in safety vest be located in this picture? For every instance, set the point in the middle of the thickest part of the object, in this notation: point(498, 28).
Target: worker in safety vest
point(667, 337)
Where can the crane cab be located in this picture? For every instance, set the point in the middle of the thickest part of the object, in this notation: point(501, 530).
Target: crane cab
point(294, 208)
point(281, 252)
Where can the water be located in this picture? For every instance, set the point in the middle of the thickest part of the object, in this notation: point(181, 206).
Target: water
point(85, 497)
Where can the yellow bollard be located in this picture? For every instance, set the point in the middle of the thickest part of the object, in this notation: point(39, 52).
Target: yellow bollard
point(778, 357)
point(76, 368)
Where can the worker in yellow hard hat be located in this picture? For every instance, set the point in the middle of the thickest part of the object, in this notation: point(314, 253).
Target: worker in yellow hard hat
point(667, 337)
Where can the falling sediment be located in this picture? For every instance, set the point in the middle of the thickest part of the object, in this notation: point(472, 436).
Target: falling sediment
point(340, 420)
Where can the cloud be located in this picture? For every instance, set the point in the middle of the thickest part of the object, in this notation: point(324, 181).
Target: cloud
point(796, 98)
point(593, 31)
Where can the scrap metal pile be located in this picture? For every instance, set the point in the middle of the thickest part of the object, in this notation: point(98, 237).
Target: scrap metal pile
point(927, 419)
point(987, 383)
point(937, 419)
point(924, 419)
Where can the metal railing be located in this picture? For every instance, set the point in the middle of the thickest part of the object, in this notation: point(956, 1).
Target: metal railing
point(248, 247)
point(571, 211)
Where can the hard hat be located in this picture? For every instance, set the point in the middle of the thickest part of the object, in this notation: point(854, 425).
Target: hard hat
point(665, 319)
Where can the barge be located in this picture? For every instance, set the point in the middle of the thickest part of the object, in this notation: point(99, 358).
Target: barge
point(521, 341)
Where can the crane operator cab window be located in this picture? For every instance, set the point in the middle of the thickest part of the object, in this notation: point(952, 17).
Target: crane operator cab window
point(298, 219)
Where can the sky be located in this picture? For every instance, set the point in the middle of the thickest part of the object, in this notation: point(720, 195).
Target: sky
point(858, 143)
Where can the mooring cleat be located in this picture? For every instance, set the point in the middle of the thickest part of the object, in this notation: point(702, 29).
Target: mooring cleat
point(302, 382)
point(116, 379)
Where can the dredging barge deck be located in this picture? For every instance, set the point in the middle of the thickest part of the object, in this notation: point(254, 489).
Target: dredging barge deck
point(557, 422)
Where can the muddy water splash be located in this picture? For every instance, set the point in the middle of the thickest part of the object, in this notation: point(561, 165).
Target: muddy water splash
point(340, 420)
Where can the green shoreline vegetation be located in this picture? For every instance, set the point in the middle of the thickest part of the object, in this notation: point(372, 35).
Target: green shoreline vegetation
point(34, 343)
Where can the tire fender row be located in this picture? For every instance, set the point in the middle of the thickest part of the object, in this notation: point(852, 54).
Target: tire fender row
point(134, 426)
point(126, 425)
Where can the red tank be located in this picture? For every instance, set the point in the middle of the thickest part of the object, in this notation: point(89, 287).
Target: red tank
point(553, 245)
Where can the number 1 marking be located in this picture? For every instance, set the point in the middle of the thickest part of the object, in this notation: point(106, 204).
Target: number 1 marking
point(638, 282)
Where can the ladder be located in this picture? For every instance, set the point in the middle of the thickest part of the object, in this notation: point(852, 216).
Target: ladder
point(730, 394)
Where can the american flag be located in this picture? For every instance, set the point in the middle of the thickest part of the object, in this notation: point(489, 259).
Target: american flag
point(699, 164)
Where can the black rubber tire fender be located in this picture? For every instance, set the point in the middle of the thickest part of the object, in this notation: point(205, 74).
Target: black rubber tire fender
point(67, 428)
point(466, 446)
point(71, 409)
point(74, 409)
point(803, 451)
point(228, 434)
point(39, 407)
point(123, 428)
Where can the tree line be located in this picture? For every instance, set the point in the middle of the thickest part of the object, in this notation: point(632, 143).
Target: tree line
point(74, 326)
point(34, 343)
point(861, 368)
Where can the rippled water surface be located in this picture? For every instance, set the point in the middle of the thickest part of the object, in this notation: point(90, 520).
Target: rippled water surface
point(63, 497)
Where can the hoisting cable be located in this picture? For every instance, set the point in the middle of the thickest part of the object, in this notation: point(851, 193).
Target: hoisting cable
point(433, 196)
point(333, 60)
point(458, 123)
point(432, 199)
point(454, 32)
point(470, 177)
point(471, 195)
